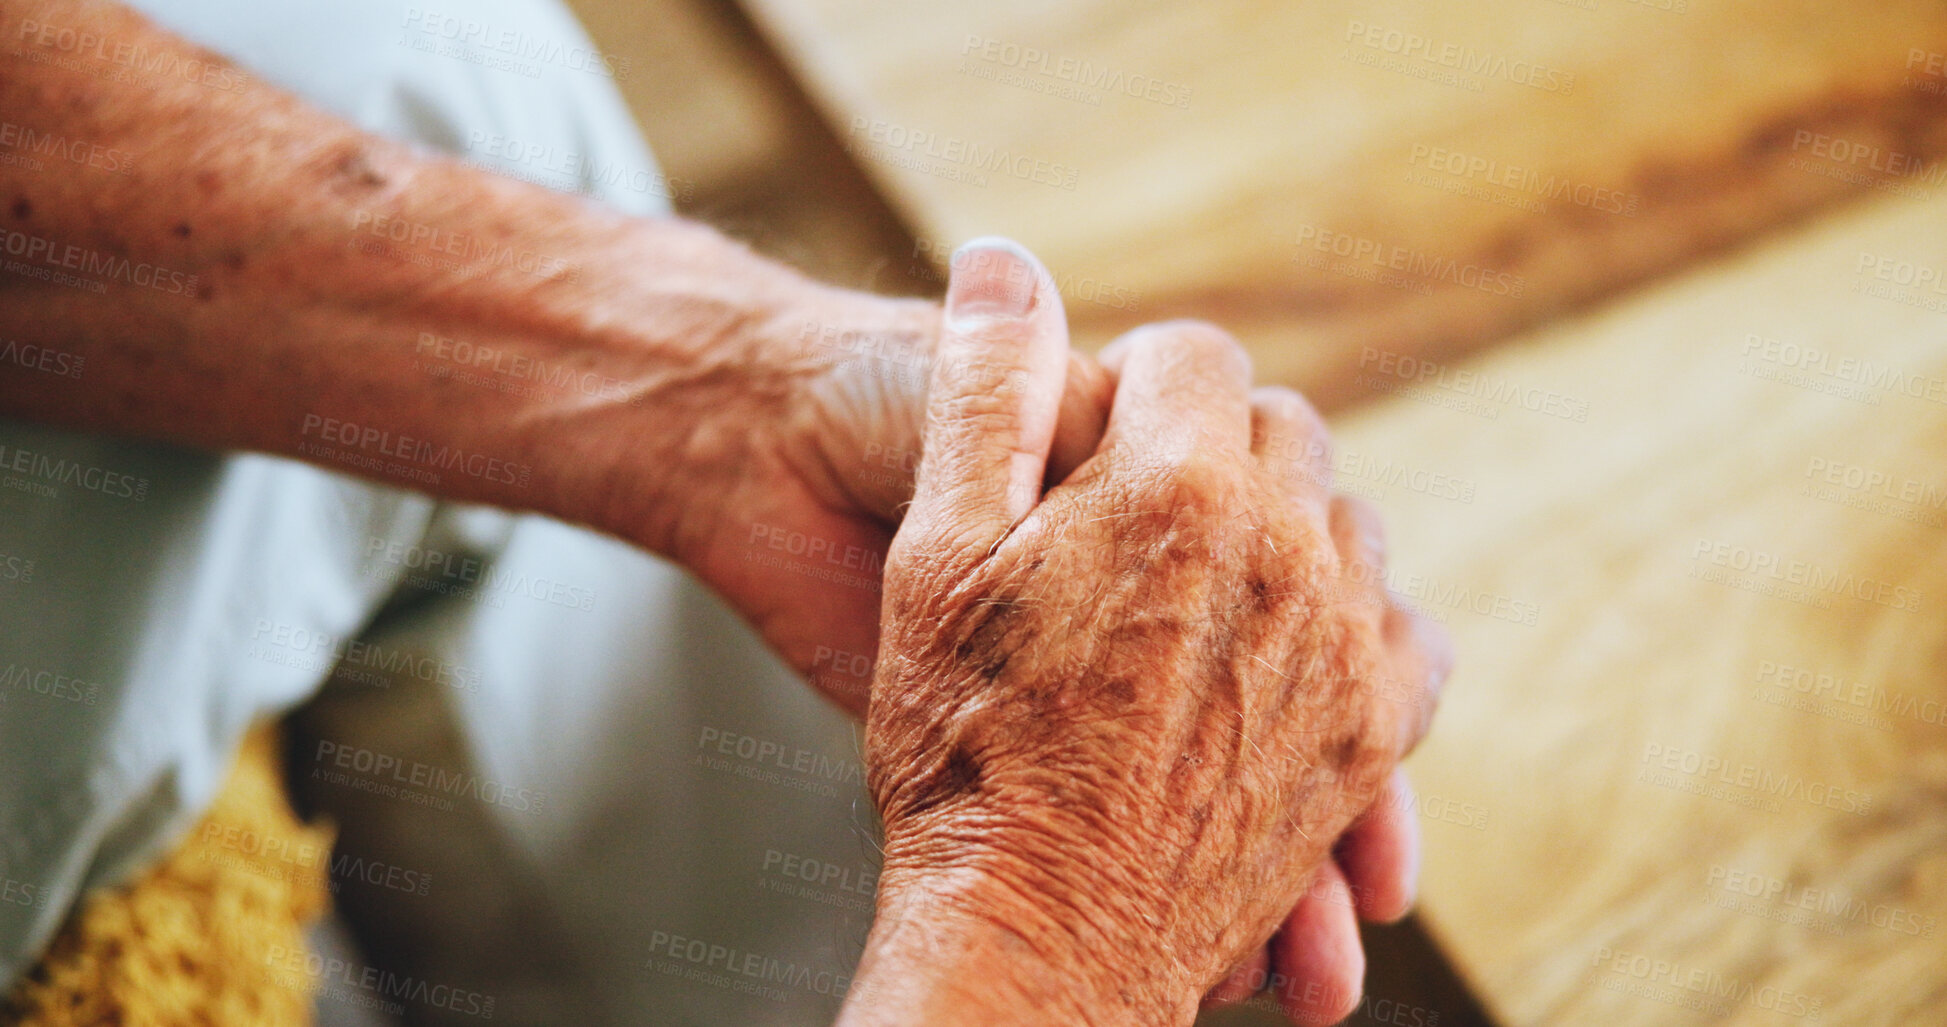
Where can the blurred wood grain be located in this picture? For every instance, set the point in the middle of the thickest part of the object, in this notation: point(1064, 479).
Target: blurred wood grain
point(1692, 767)
point(742, 145)
point(1326, 177)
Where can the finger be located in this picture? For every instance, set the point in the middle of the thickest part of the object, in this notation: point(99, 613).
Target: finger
point(1243, 982)
point(1290, 440)
point(1084, 416)
point(1180, 386)
point(1423, 656)
point(1380, 855)
point(995, 393)
point(1318, 956)
point(1361, 542)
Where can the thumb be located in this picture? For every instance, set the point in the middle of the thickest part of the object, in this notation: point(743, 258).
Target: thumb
point(997, 380)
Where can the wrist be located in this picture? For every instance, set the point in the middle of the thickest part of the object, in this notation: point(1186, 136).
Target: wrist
point(657, 372)
point(852, 435)
point(984, 938)
point(737, 391)
point(684, 327)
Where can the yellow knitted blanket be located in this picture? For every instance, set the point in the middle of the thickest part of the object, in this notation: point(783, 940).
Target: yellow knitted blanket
point(195, 940)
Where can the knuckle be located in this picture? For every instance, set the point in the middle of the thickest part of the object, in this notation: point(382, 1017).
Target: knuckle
point(1437, 646)
point(1359, 529)
point(1206, 345)
point(1156, 487)
point(930, 557)
point(1183, 480)
point(1291, 427)
point(1374, 701)
point(1421, 647)
point(1358, 512)
point(1354, 590)
point(1372, 753)
point(907, 558)
point(1287, 404)
point(1187, 343)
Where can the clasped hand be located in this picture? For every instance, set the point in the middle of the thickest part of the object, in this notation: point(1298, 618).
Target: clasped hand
point(1125, 721)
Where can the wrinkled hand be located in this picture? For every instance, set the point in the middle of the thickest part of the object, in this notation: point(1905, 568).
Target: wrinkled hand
point(802, 465)
point(1127, 721)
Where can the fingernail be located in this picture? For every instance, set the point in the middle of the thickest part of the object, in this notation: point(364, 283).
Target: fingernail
point(990, 277)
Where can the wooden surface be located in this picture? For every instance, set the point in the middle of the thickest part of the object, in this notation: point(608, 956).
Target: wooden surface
point(1675, 550)
point(741, 145)
point(1635, 136)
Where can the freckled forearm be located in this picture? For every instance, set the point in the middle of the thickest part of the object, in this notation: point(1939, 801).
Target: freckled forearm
point(242, 271)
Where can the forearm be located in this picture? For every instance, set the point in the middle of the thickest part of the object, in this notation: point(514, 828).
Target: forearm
point(252, 273)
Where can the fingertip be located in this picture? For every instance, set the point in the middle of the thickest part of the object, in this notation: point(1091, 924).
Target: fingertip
point(1319, 954)
point(1291, 439)
point(992, 277)
point(1289, 404)
point(994, 397)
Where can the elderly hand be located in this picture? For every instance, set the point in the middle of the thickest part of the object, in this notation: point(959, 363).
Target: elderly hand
point(801, 464)
point(1117, 729)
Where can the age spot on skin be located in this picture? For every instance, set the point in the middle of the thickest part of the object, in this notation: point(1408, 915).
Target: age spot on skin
point(958, 777)
point(985, 649)
point(982, 655)
point(1260, 593)
point(1344, 751)
point(962, 772)
point(352, 166)
point(1121, 693)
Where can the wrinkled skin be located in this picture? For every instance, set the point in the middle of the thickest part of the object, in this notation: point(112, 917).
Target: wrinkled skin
point(818, 439)
point(1149, 701)
point(788, 446)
